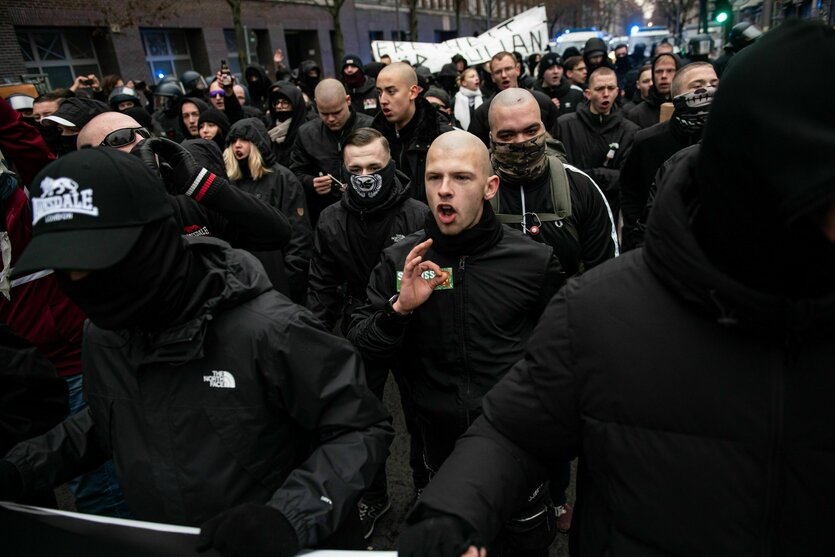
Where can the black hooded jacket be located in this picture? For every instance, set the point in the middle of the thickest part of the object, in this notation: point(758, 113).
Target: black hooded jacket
point(347, 245)
point(568, 97)
point(410, 144)
point(319, 150)
point(307, 83)
point(648, 112)
point(281, 190)
point(589, 138)
point(248, 400)
point(258, 84)
point(294, 95)
point(202, 106)
point(652, 146)
point(364, 99)
point(687, 389)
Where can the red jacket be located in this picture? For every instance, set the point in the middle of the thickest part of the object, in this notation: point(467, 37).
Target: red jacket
point(37, 310)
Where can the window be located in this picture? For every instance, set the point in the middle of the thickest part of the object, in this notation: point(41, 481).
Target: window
point(61, 54)
point(376, 36)
point(166, 51)
point(232, 50)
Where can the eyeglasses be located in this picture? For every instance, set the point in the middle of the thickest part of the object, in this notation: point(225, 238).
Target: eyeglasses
point(124, 136)
point(217, 93)
point(283, 102)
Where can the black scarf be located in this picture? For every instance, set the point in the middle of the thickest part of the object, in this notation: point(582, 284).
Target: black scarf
point(484, 235)
point(157, 285)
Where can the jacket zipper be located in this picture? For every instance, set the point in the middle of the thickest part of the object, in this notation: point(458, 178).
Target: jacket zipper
point(775, 445)
point(462, 283)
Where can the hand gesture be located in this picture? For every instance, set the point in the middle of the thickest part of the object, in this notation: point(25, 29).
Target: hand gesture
point(414, 289)
point(322, 184)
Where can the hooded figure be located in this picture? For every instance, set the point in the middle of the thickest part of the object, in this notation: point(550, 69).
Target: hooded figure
point(286, 120)
point(567, 98)
point(595, 55)
point(648, 113)
point(280, 188)
point(221, 123)
point(202, 107)
point(258, 84)
point(361, 88)
point(309, 76)
point(447, 79)
point(695, 373)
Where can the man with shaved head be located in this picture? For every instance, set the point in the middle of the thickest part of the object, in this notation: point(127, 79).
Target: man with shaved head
point(316, 157)
point(549, 201)
point(205, 203)
point(408, 122)
point(450, 307)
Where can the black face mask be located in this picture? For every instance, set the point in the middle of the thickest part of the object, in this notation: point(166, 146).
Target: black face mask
point(369, 190)
point(52, 136)
point(148, 290)
point(68, 144)
point(283, 115)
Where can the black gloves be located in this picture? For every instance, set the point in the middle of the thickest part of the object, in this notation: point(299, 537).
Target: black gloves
point(11, 484)
point(179, 170)
point(437, 536)
point(250, 529)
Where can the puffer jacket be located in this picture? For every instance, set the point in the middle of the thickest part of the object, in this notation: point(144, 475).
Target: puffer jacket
point(250, 400)
point(281, 190)
point(688, 395)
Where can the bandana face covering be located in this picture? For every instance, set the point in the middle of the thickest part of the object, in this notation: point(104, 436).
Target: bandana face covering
point(692, 108)
point(368, 189)
point(517, 162)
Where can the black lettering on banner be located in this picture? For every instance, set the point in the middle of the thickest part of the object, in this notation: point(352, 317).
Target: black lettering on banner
point(536, 40)
point(519, 43)
point(506, 24)
point(420, 59)
point(398, 47)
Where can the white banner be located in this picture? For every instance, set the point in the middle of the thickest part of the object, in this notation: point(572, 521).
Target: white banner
point(526, 33)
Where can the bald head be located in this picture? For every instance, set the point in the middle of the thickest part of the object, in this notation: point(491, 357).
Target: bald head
point(464, 146)
point(97, 128)
point(402, 73)
point(514, 99)
point(330, 91)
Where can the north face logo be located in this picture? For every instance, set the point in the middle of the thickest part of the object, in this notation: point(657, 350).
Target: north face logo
point(61, 199)
point(220, 380)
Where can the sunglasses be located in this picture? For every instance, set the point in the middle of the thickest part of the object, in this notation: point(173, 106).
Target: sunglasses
point(217, 93)
point(124, 136)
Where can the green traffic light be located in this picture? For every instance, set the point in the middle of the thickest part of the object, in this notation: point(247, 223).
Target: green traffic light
point(721, 17)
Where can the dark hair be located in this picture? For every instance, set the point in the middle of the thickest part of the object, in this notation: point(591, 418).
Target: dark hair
point(50, 97)
point(570, 63)
point(361, 137)
point(621, 45)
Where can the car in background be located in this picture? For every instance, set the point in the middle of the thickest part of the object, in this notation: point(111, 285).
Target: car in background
point(576, 38)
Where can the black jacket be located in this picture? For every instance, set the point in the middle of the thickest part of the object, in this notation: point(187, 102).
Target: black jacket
point(714, 402)
point(590, 215)
point(652, 146)
point(480, 127)
point(318, 149)
point(279, 189)
point(364, 99)
point(568, 98)
point(347, 245)
point(291, 92)
point(648, 112)
point(452, 350)
point(410, 144)
point(248, 401)
point(588, 139)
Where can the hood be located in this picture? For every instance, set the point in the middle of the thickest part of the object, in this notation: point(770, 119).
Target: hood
point(254, 131)
point(675, 256)
point(653, 92)
point(448, 70)
point(307, 65)
point(207, 154)
point(397, 195)
point(256, 71)
point(765, 171)
point(596, 46)
point(294, 95)
point(202, 107)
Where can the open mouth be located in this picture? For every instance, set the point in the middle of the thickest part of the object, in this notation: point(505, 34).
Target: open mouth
point(239, 155)
point(446, 213)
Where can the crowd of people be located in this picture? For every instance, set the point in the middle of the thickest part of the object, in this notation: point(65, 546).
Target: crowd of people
point(206, 285)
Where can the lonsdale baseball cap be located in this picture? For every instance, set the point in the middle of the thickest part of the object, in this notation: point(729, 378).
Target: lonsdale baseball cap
point(90, 210)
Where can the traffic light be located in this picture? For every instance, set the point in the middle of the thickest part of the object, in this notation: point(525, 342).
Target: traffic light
point(722, 11)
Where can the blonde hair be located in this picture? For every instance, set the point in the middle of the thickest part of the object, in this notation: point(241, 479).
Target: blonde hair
point(257, 169)
point(460, 79)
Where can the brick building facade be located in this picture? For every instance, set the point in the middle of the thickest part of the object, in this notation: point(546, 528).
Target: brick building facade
point(144, 39)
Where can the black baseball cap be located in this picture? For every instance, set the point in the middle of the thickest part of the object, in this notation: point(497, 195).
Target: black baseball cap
point(76, 112)
point(92, 207)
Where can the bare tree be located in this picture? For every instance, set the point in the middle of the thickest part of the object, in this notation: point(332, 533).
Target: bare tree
point(334, 8)
point(675, 12)
point(132, 13)
point(413, 22)
point(239, 32)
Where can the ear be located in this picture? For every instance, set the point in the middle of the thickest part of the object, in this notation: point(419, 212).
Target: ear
point(491, 188)
point(586, 93)
point(413, 92)
point(348, 100)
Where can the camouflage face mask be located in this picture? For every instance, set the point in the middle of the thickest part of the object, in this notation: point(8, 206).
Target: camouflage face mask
point(515, 162)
